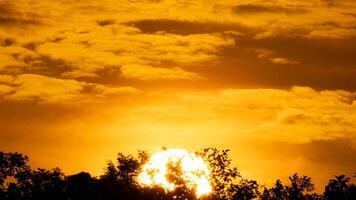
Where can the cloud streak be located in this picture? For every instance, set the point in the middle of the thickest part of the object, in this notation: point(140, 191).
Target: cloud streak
point(144, 72)
point(32, 87)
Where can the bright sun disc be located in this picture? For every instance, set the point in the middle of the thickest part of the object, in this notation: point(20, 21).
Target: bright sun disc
point(193, 169)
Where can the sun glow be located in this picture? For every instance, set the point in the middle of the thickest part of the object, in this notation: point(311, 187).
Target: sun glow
point(192, 170)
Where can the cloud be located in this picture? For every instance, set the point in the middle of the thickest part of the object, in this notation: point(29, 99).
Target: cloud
point(321, 63)
point(320, 159)
point(6, 78)
point(257, 9)
point(13, 58)
point(299, 115)
point(105, 91)
point(146, 73)
point(333, 3)
point(105, 22)
point(4, 89)
point(33, 87)
point(10, 15)
point(7, 42)
point(205, 37)
point(30, 87)
point(283, 61)
point(337, 153)
point(291, 116)
point(340, 152)
point(104, 49)
point(186, 27)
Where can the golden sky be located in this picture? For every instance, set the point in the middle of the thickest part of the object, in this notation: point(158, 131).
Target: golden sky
point(274, 81)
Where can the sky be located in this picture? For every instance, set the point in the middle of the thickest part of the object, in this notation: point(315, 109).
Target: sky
point(272, 80)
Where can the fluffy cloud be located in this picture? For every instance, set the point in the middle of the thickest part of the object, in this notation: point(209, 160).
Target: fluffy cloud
point(86, 45)
point(30, 87)
point(4, 89)
point(10, 15)
point(300, 114)
point(8, 62)
point(87, 54)
point(144, 72)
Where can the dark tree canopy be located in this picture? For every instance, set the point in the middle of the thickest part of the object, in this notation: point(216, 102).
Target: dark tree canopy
point(19, 182)
point(340, 188)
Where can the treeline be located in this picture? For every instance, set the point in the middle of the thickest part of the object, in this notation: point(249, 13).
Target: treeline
point(19, 182)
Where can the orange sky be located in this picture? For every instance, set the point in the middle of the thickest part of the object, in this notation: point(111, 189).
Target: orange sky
point(274, 81)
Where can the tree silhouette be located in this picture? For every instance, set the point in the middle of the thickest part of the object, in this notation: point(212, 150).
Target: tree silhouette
point(19, 182)
point(222, 174)
point(175, 176)
point(27, 183)
point(300, 188)
point(45, 184)
point(127, 168)
point(277, 192)
point(245, 190)
point(13, 166)
point(111, 173)
point(81, 186)
point(119, 181)
point(340, 188)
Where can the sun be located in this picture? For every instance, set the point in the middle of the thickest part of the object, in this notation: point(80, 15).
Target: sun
point(192, 170)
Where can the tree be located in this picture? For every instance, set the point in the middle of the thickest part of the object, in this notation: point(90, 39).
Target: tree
point(13, 166)
point(127, 168)
point(119, 179)
point(222, 174)
point(245, 190)
point(340, 188)
point(277, 192)
point(111, 173)
point(299, 188)
point(81, 186)
point(174, 175)
point(45, 184)
point(20, 182)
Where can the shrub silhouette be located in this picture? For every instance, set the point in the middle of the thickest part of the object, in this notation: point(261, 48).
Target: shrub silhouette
point(19, 182)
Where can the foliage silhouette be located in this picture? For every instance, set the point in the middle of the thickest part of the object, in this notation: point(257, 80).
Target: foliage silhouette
point(222, 174)
point(300, 188)
point(19, 182)
point(340, 188)
point(245, 190)
point(175, 176)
